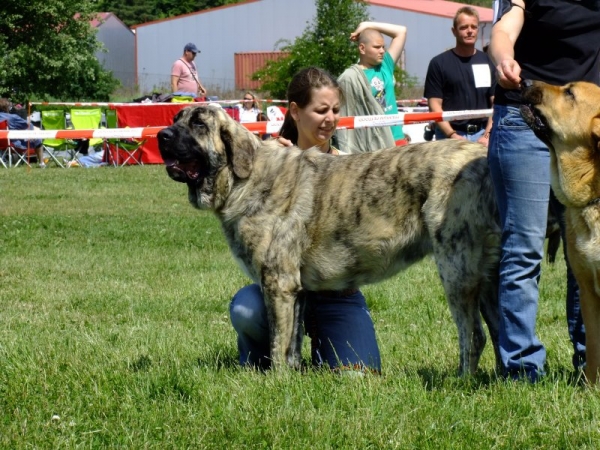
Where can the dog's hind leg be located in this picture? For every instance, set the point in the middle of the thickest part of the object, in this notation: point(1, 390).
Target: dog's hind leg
point(488, 305)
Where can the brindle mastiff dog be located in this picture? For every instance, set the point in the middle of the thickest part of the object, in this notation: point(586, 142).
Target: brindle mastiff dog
point(306, 220)
point(567, 119)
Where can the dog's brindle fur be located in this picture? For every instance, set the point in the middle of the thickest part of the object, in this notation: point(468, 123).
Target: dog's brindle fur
point(567, 119)
point(307, 220)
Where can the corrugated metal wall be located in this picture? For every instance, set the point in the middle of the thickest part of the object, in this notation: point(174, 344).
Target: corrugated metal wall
point(261, 26)
point(248, 63)
point(253, 26)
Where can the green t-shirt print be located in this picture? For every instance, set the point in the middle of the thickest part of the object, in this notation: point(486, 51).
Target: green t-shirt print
point(381, 80)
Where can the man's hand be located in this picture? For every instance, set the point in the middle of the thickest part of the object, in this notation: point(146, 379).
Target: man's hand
point(509, 74)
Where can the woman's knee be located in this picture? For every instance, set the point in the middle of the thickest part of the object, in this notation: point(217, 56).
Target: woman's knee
point(247, 311)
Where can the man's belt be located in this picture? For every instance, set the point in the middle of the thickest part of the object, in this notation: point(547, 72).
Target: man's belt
point(470, 128)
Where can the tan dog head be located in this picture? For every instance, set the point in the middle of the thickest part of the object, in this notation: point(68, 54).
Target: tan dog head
point(206, 149)
point(567, 119)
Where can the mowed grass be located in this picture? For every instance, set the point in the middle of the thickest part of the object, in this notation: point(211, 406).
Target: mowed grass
point(114, 333)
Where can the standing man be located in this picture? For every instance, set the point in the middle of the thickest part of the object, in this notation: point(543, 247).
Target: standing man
point(184, 75)
point(368, 87)
point(554, 41)
point(462, 78)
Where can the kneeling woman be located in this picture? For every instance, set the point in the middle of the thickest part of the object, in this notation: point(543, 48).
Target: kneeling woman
point(338, 322)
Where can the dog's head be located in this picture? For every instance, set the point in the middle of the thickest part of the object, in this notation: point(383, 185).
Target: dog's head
point(563, 117)
point(567, 119)
point(206, 149)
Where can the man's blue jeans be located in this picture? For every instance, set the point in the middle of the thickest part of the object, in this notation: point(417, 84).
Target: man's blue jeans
point(520, 169)
point(439, 135)
point(341, 330)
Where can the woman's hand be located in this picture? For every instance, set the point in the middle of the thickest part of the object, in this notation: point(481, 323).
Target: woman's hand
point(285, 142)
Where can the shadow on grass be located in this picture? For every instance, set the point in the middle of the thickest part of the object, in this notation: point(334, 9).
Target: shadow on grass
point(219, 358)
point(434, 379)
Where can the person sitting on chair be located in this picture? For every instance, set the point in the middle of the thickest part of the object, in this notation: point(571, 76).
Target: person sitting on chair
point(250, 110)
point(16, 122)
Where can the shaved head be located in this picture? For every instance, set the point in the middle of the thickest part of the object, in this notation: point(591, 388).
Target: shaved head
point(368, 35)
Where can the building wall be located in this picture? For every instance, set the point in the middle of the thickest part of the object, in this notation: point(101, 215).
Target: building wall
point(257, 26)
point(119, 41)
point(254, 26)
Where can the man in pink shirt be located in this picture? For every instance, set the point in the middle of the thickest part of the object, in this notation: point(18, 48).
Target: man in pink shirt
point(184, 75)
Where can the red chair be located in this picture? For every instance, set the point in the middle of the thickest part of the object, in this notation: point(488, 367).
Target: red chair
point(9, 152)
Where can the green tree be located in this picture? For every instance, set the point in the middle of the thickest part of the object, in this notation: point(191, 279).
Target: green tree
point(325, 43)
point(48, 51)
point(484, 3)
point(132, 12)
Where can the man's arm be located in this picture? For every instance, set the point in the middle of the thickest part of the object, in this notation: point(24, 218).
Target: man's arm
point(201, 88)
point(396, 32)
point(502, 43)
point(174, 81)
point(435, 105)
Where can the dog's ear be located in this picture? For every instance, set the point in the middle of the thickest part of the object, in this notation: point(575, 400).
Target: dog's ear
point(240, 145)
point(178, 115)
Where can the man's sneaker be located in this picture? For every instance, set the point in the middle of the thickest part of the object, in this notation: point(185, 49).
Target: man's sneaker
point(42, 165)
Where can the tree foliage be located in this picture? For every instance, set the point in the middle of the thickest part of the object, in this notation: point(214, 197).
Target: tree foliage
point(484, 3)
point(325, 43)
point(132, 12)
point(48, 51)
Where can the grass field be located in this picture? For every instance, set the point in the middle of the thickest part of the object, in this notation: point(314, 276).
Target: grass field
point(114, 333)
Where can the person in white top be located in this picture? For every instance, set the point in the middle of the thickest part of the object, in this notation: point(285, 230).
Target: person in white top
point(250, 108)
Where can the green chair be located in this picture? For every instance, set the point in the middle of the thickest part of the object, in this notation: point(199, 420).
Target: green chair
point(129, 147)
point(55, 120)
point(86, 119)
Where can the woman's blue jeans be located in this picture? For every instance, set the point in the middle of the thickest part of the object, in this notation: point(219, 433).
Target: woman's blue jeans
point(341, 330)
point(520, 169)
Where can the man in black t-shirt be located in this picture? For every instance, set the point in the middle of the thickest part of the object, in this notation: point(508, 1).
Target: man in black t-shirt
point(462, 78)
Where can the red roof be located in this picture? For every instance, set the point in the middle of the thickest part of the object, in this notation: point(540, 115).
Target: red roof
point(440, 8)
point(99, 19)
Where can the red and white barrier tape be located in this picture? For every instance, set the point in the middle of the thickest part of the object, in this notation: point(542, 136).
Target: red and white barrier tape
point(272, 127)
point(111, 104)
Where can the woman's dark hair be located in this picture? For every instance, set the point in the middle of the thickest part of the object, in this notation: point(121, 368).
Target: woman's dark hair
point(300, 91)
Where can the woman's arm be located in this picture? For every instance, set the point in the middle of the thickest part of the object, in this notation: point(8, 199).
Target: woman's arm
point(504, 35)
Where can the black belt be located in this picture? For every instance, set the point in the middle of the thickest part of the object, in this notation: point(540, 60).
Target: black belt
point(470, 128)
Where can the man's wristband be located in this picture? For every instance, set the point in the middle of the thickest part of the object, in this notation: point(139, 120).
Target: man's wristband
point(451, 134)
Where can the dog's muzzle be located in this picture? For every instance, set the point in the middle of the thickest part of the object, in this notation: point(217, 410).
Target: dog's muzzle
point(181, 171)
point(532, 95)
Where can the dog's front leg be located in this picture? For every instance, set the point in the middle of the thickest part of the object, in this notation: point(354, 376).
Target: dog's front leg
point(284, 310)
point(590, 310)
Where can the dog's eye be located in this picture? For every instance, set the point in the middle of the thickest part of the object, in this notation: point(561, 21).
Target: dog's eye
point(199, 125)
point(569, 93)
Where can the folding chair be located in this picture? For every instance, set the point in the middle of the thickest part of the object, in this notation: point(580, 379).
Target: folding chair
point(4, 146)
point(130, 147)
point(10, 152)
point(55, 120)
point(86, 119)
